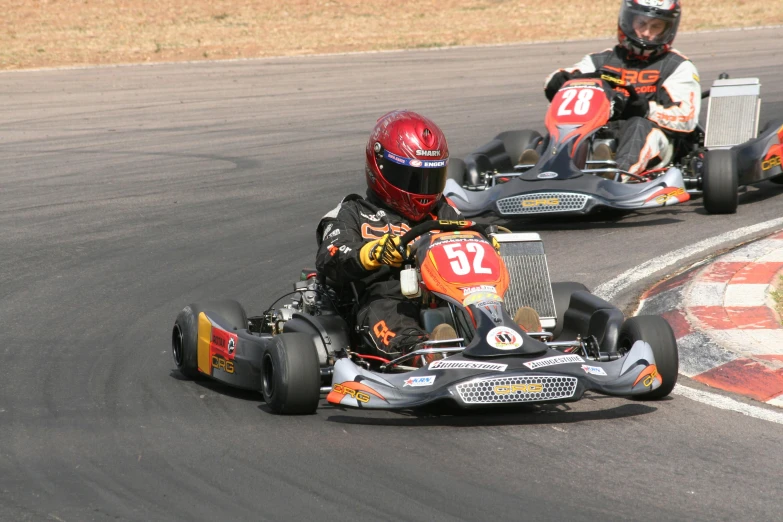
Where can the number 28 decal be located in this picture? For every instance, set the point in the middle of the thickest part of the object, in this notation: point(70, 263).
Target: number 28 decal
point(582, 105)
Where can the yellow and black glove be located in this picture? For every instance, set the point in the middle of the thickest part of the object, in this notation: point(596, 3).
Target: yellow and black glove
point(382, 251)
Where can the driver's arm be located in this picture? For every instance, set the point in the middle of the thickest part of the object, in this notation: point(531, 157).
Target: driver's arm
point(677, 103)
point(339, 243)
point(554, 81)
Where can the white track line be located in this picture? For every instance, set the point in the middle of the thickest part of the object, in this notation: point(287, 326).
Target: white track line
point(726, 403)
point(611, 288)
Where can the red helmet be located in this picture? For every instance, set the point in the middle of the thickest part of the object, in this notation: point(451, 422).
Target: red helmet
point(406, 163)
point(647, 27)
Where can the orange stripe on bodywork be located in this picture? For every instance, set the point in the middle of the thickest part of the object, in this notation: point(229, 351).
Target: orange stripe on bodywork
point(204, 338)
point(652, 371)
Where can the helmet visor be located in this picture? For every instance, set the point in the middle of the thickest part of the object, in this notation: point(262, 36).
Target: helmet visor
point(424, 177)
point(647, 28)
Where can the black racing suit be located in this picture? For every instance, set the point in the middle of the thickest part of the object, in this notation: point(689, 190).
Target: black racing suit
point(392, 319)
point(669, 82)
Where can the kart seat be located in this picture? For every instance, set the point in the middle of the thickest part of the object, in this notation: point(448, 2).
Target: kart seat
point(432, 317)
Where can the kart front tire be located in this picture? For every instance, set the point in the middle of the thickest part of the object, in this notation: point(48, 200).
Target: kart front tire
point(184, 336)
point(720, 182)
point(562, 293)
point(655, 331)
point(291, 375)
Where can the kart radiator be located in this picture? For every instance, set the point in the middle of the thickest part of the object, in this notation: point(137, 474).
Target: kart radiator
point(733, 113)
point(519, 388)
point(541, 202)
point(529, 276)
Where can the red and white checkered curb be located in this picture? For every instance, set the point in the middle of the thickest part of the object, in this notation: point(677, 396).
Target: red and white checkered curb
point(728, 333)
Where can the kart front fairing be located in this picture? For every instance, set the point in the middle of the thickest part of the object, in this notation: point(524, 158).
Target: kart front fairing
point(472, 382)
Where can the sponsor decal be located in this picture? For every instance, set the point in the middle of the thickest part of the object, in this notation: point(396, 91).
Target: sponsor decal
point(425, 380)
point(356, 390)
point(506, 389)
point(459, 223)
point(504, 338)
point(478, 297)
point(371, 232)
point(774, 161)
point(648, 376)
point(412, 162)
point(483, 288)
point(383, 333)
point(373, 217)
point(326, 231)
point(593, 370)
point(551, 361)
point(333, 234)
point(420, 152)
point(541, 202)
point(467, 365)
point(222, 343)
point(663, 198)
point(332, 250)
point(547, 175)
point(232, 345)
point(345, 249)
point(220, 363)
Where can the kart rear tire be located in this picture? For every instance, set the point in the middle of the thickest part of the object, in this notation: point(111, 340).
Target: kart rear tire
point(291, 375)
point(184, 336)
point(720, 182)
point(655, 331)
point(516, 141)
point(562, 293)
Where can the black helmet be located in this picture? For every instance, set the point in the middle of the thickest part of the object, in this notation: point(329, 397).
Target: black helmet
point(647, 27)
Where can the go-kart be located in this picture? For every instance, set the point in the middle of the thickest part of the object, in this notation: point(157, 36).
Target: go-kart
point(312, 346)
point(568, 179)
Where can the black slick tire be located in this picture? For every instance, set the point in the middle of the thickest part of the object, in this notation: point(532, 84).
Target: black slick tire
point(291, 375)
point(720, 182)
point(655, 331)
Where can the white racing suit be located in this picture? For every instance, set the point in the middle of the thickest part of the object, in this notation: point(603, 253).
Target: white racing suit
point(671, 84)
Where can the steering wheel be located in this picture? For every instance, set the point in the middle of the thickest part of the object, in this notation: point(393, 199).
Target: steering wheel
point(429, 226)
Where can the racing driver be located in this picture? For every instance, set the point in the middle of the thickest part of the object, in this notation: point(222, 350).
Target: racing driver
point(666, 97)
point(405, 170)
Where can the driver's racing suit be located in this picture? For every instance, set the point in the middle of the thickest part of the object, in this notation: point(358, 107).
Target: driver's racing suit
point(392, 320)
point(671, 84)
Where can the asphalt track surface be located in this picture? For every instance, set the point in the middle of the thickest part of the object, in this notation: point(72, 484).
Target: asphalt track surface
point(128, 192)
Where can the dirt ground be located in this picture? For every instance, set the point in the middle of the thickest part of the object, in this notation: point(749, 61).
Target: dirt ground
point(42, 33)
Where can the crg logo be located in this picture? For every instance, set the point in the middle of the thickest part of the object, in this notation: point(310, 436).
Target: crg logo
point(543, 202)
point(547, 175)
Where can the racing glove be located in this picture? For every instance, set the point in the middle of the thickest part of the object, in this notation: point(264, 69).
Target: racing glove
point(382, 251)
point(635, 105)
point(557, 81)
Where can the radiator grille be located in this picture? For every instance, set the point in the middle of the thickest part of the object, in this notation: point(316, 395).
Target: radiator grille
point(529, 279)
point(732, 120)
point(542, 202)
point(532, 388)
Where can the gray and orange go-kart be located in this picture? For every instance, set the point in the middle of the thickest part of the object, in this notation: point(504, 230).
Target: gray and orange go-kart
point(312, 346)
point(568, 179)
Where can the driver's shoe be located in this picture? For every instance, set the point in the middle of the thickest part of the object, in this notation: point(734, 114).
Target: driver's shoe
point(442, 332)
point(528, 157)
point(528, 319)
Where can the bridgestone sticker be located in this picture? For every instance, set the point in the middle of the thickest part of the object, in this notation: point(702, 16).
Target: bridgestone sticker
point(551, 361)
point(467, 365)
point(504, 338)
